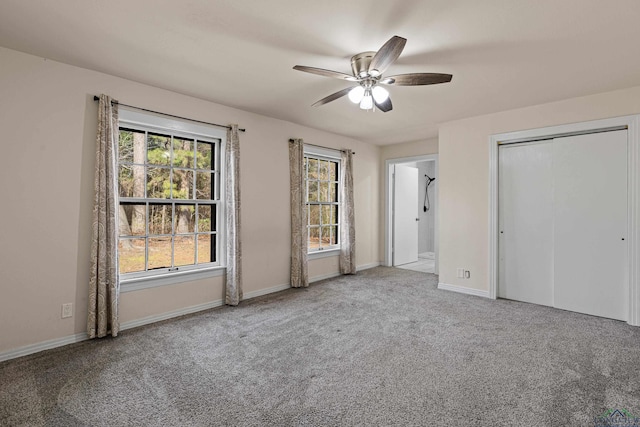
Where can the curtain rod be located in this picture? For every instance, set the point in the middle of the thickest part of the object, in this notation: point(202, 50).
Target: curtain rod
point(320, 146)
point(97, 98)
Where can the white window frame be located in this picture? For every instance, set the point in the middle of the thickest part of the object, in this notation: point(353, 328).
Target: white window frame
point(322, 153)
point(133, 119)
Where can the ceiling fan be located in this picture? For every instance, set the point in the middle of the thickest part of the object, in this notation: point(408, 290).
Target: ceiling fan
point(367, 68)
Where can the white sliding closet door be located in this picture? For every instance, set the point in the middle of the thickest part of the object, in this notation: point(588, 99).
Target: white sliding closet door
point(526, 222)
point(590, 224)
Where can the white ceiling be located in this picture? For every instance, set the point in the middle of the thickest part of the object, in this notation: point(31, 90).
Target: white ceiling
point(503, 54)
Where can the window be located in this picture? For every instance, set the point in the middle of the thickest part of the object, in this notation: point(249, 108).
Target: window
point(322, 168)
point(169, 194)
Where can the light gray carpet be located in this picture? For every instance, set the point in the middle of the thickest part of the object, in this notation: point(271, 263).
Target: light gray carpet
point(381, 348)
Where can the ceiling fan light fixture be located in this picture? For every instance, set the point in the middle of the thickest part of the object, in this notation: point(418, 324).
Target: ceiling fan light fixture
point(367, 70)
point(380, 94)
point(367, 101)
point(356, 94)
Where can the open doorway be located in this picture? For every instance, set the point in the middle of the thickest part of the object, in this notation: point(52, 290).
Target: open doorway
point(411, 232)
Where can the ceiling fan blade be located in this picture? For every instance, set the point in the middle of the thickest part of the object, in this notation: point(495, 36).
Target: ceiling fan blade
point(333, 97)
point(325, 73)
point(387, 54)
point(384, 106)
point(417, 79)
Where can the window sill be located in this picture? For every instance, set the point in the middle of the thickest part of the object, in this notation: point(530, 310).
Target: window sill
point(323, 254)
point(139, 283)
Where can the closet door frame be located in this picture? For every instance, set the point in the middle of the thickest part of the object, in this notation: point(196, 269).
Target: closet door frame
point(631, 124)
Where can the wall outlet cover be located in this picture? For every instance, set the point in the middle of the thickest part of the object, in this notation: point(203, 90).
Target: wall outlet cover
point(67, 310)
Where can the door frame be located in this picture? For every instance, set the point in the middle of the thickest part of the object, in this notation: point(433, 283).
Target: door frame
point(631, 124)
point(388, 206)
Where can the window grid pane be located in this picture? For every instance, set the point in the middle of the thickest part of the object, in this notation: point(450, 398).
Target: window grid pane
point(183, 173)
point(132, 254)
point(321, 176)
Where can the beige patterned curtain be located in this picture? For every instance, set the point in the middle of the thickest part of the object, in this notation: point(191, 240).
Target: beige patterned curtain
point(347, 223)
point(299, 273)
point(232, 203)
point(103, 280)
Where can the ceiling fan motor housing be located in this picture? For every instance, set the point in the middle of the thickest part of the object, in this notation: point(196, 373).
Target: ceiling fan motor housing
point(360, 63)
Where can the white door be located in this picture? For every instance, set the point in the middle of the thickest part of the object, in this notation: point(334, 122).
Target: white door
point(590, 222)
point(405, 215)
point(525, 209)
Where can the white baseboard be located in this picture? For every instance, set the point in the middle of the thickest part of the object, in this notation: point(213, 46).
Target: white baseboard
point(323, 277)
point(170, 314)
point(41, 346)
point(71, 339)
point(463, 290)
point(59, 342)
point(331, 275)
point(265, 291)
point(367, 266)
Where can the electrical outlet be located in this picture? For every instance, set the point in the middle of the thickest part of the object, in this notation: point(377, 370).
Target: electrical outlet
point(460, 273)
point(467, 274)
point(67, 310)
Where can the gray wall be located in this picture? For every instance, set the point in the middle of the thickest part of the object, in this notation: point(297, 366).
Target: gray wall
point(426, 226)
